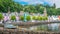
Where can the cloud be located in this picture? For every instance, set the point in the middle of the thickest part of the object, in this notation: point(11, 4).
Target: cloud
point(35, 2)
point(57, 2)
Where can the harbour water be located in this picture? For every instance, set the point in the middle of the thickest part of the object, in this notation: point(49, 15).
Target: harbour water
point(47, 27)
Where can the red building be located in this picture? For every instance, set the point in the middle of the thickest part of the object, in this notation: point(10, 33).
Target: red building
point(59, 17)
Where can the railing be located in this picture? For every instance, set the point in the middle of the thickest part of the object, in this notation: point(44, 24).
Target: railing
point(27, 24)
point(35, 23)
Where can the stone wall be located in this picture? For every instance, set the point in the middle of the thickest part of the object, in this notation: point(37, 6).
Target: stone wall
point(12, 31)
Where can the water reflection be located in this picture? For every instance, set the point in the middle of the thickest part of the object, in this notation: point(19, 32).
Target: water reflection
point(47, 27)
point(53, 27)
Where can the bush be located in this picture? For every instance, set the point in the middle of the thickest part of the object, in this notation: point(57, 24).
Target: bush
point(28, 18)
point(1, 16)
point(44, 18)
point(39, 18)
point(21, 18)
point(34, 18)
point(13, 18)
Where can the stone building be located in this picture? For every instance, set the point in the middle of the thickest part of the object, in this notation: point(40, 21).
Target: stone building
point(45, 12)
point(21, 13)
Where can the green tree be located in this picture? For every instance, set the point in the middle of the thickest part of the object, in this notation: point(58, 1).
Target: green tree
point(44, 18)
point(58, 11)
point(54, 6)
point(13, 17)
point(39, 17)
point(38, 8)
point(14, 6)
point(1, 16)
point(21, 18)
point(34, 17)
point(28, 18)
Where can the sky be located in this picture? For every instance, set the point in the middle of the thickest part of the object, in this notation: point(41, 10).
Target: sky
point(50, 2)
point(57, 2)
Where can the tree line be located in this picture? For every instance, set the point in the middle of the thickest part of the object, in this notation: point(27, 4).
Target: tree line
point(10, 5)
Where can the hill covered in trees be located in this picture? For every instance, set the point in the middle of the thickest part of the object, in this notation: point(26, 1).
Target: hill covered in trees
point(10, 5)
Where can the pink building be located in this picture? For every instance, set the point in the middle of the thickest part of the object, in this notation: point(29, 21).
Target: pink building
point(6, 18)
point(17, 18)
